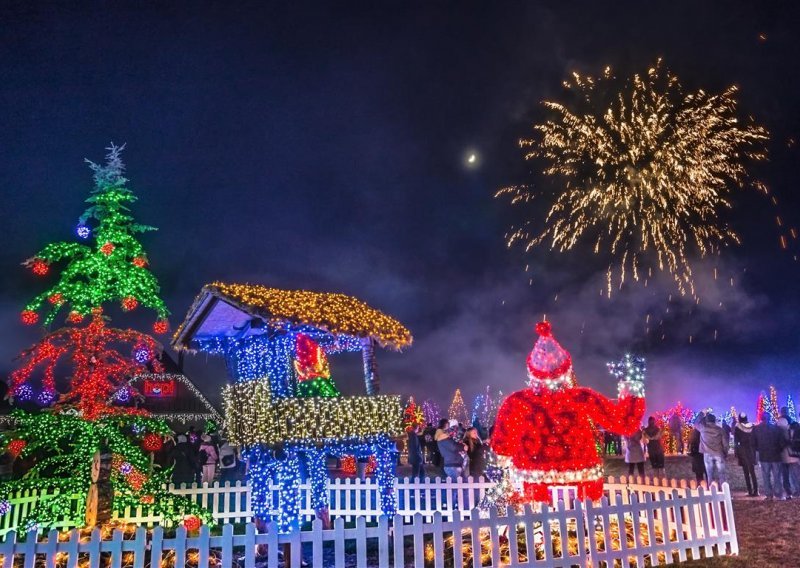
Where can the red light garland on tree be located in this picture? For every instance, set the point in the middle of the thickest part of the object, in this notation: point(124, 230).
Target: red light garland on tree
point(161, 326)
point(98, 368)
point(139, 261)
point(547, 430)
point(56, 299)
point(39, 267)
point(28, 317)
point(107, 249)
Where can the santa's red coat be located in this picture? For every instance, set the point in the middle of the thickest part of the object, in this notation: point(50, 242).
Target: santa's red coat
point(549, 433)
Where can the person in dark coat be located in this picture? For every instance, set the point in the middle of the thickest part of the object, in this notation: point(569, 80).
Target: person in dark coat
point(698, 460)
point(415, 453)
point(655, 450)
point(745, 449)
point(187, 467)
point(769, 442)
point(476, 451)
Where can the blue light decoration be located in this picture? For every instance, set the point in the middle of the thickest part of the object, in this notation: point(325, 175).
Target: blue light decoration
point(24, 392)
point(791, 410)
point(123, 395)
point(5, 507)
point(142, 354)
point(46, 398)
point(83, 231)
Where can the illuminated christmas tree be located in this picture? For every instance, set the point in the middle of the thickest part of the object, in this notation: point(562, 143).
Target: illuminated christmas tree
point(763, 410)
point(484, 408)
point(111, 267)
point(458, 411)
point(87, 422)
point(792, 411)
point(774, 409)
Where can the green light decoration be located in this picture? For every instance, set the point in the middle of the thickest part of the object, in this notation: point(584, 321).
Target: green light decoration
point(62, 447)
point(113, 267)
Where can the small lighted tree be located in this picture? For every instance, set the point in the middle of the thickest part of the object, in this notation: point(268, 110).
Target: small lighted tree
point(111, 267)
point(458, 410)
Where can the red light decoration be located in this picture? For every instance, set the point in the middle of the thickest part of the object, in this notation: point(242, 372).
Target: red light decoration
point(148, 499)
point(15, 447)
point(348, 465)
point(129, 303)
point(98, 364)
point(107, 249)
point(136, 479)
point(310, 360)
point(161, 326)
point(139, 261)
point(159, 389)
point(75, 317)
point(56, 299)
point(152, 442)
point(29, 317)
point(192, 523)
point(40, 267)
point(547, 430)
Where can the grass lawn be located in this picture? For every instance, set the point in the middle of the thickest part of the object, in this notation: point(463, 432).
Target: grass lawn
point(767, 530)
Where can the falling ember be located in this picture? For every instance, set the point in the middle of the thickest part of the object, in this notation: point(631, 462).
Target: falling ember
point(715, 335)
point(643, 173)
point(715, 273)
point(793, 232)
point(778, 220)
point(690, 339)
point(783, 242)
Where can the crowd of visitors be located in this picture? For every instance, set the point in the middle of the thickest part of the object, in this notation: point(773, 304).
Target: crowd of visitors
point(450, 450)
point(200, 458)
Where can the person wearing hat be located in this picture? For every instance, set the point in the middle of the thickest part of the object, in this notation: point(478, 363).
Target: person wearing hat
point(714, 445)
point(744, 448)
point(548, 429)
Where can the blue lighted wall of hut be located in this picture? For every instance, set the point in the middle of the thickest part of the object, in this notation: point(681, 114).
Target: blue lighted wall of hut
point(258, 357)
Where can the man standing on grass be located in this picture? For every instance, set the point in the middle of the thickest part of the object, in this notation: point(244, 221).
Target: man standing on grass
point(790, 464)
point(769, 442)
point(714, 444)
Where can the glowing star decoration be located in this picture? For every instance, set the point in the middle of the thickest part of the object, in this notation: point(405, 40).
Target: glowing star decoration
point(313, 371)
point(546, 431)
point(643, 169)
point(104, 266)
point(630, 371)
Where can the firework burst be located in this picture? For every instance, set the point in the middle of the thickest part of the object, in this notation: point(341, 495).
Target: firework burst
point(644, 169)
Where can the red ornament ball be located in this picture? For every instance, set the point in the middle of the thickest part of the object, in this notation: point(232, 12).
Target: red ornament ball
point(56, 299)
point(161, 326)
point(152, 442)
point(40, 267)
point(139, 261)
point(15, 447)
point(147, 499)
point(29, 317)
point(75, 317)
point(107, 248)
point(544, 329)
point(192, 523)
point(129, 303)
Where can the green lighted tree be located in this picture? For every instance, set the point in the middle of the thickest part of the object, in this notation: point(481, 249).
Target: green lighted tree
point(61, 447)
point(113, 267)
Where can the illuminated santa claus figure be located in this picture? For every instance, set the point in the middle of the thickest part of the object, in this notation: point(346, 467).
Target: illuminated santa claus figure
point(546, 430)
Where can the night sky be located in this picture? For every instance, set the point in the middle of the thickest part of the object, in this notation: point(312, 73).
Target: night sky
point(324, 146)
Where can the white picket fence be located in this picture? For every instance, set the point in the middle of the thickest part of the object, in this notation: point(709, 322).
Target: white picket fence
point(664, 526)
point(349, 498)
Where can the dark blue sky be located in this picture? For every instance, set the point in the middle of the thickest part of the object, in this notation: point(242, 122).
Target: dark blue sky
point(322, 146)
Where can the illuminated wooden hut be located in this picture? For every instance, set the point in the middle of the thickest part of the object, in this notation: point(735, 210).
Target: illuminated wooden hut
point(281, 405)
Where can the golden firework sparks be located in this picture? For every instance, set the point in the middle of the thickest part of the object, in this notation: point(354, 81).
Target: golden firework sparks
point(643, 169)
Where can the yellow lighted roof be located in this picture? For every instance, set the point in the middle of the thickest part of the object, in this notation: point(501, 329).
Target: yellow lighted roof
point(336, 313)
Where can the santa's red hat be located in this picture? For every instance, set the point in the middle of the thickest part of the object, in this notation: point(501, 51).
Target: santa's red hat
point(548, 361)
